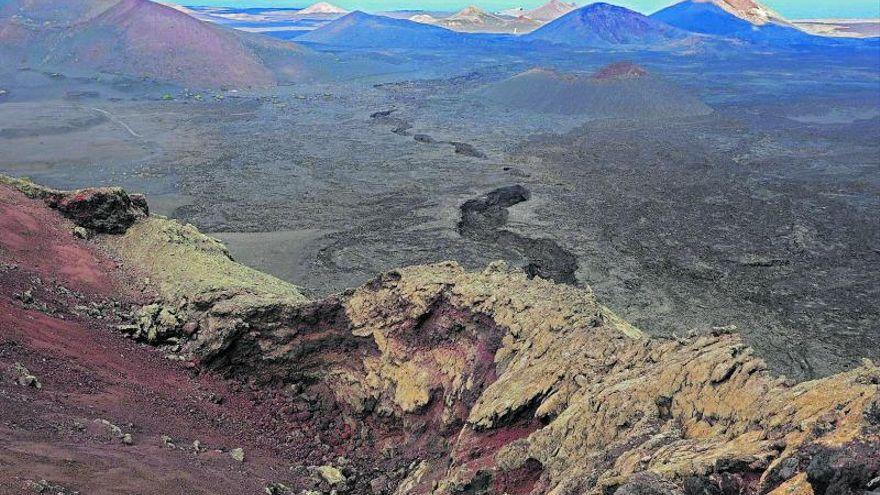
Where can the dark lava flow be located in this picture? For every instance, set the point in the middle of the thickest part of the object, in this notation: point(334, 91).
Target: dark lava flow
point(402, 127)
point(483, 219)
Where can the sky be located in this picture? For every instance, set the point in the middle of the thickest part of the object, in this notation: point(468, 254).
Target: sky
point(792, 9)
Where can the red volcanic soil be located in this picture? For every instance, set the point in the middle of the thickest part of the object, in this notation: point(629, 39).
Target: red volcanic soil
point(60, 299)
point(620, 70)
point(170, 45)
point(141, 38)
point(37, 240)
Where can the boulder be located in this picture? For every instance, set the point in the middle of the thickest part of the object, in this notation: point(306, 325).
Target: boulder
point(331, 475)
point(237, 454)
point(106, 210)
point(24, 377)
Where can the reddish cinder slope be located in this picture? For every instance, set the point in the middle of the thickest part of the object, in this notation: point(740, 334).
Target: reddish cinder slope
point(38, 241)
point(168, 45)
point(141, 38)
point(60, 299)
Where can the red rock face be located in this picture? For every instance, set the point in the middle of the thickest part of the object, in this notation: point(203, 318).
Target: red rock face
point(313, 344)
point(749, 10)
point(620, 70)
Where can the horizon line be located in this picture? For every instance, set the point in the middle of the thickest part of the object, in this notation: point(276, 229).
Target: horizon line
point(472, 4)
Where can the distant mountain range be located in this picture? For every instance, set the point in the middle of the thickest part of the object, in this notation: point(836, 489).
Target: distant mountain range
point(143, 39)
point(602, 24)
point(518, 20)
point(474, 20)
point(743, 19)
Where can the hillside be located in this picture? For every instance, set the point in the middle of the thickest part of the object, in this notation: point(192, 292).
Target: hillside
point(362, 30)
point(429, 379)
point(143, 39)
point(748, 10)
point(604, 25)
point(475, 20)
point(743, 19)
point(619, 91)
point(550, 11)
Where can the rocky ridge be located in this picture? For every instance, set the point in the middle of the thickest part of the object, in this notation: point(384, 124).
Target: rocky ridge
point(433, 379)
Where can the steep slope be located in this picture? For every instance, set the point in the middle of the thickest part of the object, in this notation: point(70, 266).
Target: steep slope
point(143, 39)
point(429, 379)
point(748, 10)
point(361, 30)
point(550, 11)
point(619, 91)
point(742, 19)
point(85, 410)
point(604, 25)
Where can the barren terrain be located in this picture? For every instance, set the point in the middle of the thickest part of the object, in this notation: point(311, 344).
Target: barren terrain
point(758, 215)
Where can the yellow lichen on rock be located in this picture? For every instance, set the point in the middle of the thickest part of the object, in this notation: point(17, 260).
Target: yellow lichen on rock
point(531, 313)
point(493, 382)
point(794, 486)
point(670, 408)
point(184, 262)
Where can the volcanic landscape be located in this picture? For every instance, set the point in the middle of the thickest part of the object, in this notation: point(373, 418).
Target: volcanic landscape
point(586, 251)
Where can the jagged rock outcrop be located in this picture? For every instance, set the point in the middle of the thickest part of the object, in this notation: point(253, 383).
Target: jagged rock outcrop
point(105, 210)
point(492, 382)
point(436, 380)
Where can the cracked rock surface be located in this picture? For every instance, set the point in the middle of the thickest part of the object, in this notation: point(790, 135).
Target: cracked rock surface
point(434, 379)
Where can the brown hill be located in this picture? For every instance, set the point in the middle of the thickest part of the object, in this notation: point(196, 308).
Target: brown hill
point(429, 379)
point(620, 70)
point(143, 39)
point(619, 91)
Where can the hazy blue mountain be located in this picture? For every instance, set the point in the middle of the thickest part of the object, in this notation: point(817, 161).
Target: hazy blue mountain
point(709, 18)
point(362, 30)
point(602, 24)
